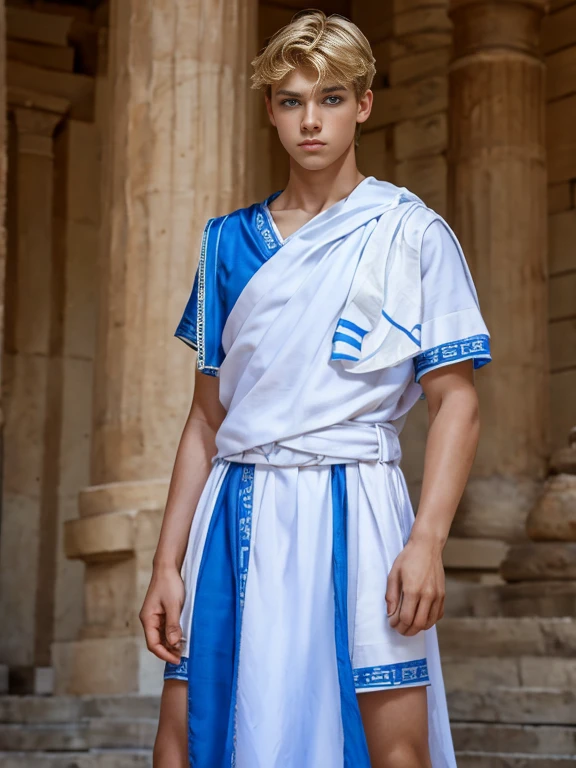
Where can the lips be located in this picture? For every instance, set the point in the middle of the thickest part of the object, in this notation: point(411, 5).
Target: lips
point(312, 144)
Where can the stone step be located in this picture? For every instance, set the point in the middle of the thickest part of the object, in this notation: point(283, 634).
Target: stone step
point(486, 672)
point(105, 759)
point(98, 733)
point(538, 706)
point(73, 709)
point(507, 637)
point(510, 760)
point(527, 739)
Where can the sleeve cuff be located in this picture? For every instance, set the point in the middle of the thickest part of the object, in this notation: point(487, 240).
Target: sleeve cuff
point(476, 347)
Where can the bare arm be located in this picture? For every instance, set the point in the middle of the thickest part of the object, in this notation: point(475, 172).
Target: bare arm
point(161, 609)
point(416, 584)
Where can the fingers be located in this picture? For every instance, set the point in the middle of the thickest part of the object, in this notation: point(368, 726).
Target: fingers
point(393, 591)
point(154, 631)
point(403, 619)
point(173, 630)
point(421, 617)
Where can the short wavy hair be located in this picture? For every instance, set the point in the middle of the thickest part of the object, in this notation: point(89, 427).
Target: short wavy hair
point(332, 45)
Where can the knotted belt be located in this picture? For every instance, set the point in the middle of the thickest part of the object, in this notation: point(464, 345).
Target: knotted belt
point(344, 443)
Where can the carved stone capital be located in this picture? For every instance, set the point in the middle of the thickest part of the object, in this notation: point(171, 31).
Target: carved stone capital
point(35, 130)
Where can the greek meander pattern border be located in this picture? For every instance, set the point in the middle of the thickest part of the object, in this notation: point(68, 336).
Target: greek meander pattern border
point(392, 675)
point(200, 312)
point(267, 236)
point(176, 671)
point(462, 349)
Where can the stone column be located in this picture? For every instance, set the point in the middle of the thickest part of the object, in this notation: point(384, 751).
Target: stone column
point(177, 138)
point(33, 395)
point(497, 179)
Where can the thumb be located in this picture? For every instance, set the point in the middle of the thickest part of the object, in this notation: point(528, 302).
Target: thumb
point(173, 628)
point(393, 591)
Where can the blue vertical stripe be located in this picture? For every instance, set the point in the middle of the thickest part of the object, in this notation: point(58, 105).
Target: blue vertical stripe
point(355, 747)
point(216, 623)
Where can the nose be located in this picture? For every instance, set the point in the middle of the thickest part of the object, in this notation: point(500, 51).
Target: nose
point(311, 120)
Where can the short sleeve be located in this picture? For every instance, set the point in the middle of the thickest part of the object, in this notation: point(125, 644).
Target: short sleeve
point(187, 329)
point(204, 315)
point(453, 328)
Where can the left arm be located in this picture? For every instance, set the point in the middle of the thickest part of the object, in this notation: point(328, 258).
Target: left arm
point(416, 584)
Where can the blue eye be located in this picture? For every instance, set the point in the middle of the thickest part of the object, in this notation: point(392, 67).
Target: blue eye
point(335, 97)
point(285, 102)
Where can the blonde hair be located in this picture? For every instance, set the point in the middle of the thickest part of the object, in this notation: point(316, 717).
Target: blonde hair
point(331, 45)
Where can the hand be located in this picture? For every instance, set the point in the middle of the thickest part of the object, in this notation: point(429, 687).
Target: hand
point(160, 615)
point(416, 588)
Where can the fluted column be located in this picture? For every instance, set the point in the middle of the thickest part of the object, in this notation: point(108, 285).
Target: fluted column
point(498, 209)
point(33, 393)
point(177, 142)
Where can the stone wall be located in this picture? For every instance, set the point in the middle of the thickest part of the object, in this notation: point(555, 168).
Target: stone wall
point(53, 220)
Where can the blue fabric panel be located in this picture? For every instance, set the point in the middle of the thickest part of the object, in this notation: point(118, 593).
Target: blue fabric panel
point(355, 747)
point(233, 248)
point(215, 626)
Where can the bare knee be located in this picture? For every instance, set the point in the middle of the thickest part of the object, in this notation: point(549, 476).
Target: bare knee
point(171, 744)
point(405, 755)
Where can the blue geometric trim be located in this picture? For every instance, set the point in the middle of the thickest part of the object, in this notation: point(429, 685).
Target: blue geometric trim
point(347, 340)
point(476, 347)
point(176, 671)
point(352, 327)
point(392, 675)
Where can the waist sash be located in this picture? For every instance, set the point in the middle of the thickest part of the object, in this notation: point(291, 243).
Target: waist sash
point(344, 443)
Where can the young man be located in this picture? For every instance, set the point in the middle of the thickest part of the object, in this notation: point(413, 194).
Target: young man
point(294, 596)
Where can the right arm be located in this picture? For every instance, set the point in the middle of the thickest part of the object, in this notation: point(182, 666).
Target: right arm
point(160, 613)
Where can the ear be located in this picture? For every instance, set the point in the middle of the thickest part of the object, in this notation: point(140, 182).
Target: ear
point(365, 106)
point(268, 103)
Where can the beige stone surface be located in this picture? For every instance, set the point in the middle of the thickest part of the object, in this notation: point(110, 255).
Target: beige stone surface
point(563, 459)
point(514, 705)
point(540, 561)
point(561, 231)
point(375, 156)
point(418, 43)
point(33, 397)
point(558, 29)
point(498, 166)
point(425, 136)
point(560, 197)
point(110, 498)
point(562, 297)
point(537, 561)
point(23, 24)
point(407, 102)
point(561, 72)
point(110, 665)
point(46, 56)
point(561, 139)
point(476, 554)
point(427, 177)
point(562, 334)
point(508, 637)
point(496, 506)
point(420, 65)
point(75, 88)
point(554, 517)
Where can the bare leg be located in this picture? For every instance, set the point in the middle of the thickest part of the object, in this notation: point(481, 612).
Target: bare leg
point(171, 745)
point(396, 727)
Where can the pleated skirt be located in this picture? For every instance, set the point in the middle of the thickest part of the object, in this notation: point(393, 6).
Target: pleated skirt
point(285, 616)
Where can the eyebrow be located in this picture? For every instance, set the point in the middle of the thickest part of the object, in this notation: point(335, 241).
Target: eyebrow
point(297, 95)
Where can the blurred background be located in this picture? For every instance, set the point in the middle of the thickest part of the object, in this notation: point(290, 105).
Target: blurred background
point(125, 125)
